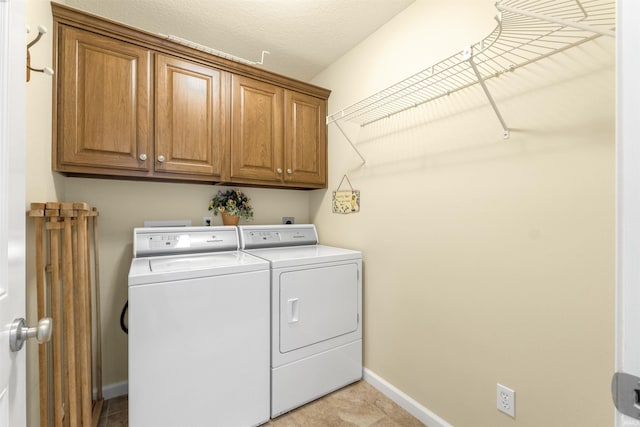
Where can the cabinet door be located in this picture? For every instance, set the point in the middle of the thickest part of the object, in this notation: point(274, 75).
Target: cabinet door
point(256, 131)
point(104, 118)
point(305, 139)
point(189, 118)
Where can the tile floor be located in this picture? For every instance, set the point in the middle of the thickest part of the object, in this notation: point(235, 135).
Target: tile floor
point(356, 405)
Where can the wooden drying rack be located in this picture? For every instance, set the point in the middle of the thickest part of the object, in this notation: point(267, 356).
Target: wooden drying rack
point(66, 364)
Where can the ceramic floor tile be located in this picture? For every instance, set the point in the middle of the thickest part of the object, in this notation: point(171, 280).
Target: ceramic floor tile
point(119, 419)
point(283, 421)
point(118, 404)
point(387, 422)
point(394, 412)
point(102, 422)
point(357, 405)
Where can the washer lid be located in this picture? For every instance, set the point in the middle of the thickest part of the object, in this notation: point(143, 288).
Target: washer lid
point(179, 267)
point(303, 255)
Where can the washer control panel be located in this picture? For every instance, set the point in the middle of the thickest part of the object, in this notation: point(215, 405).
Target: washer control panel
point(273, 236)
point(177, 240)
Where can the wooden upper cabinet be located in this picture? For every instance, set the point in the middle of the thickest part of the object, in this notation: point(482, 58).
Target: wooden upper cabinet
point(104, 116)
point(190, 134)
point(277, 136)
point(256, 131)
point(305, 139)
point(132, 104)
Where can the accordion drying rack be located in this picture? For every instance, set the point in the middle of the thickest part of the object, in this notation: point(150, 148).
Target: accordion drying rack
point(69, 368)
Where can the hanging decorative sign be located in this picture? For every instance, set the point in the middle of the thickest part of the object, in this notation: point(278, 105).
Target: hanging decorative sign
point(346, 201)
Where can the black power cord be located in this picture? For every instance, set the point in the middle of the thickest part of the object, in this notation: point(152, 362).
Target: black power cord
point(123, 326)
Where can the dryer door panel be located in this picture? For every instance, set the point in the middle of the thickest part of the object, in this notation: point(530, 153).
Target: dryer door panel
point(317, 304)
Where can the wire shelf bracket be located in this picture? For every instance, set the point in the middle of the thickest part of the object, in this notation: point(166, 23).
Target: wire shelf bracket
point(364, 161)
point(526, 31)
point(468, 55)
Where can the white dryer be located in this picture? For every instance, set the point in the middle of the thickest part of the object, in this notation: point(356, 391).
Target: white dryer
point(316, 306)
point(198, 330)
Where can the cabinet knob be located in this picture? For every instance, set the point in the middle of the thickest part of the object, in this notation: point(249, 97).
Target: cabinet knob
point(161, 158)
point(289, 171)
point(279, 170)
point(143, 157)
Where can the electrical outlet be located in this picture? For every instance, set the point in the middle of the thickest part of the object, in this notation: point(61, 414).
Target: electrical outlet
point(288, 220)
point(506, 400)
point(207, 220)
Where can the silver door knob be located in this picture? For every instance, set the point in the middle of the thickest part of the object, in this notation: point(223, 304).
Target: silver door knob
point(279, 170)
point(289, 171)
point(19, 333)
point(143, 157)
point(161, 158)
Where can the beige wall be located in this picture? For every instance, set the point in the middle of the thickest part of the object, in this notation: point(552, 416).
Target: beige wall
point(486, 260)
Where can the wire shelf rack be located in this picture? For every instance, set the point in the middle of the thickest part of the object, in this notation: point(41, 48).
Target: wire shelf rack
point(526, 31)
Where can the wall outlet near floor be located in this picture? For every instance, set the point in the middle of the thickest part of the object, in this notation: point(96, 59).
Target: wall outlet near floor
point(506, 400)
point(207, 220)
point(288, 220)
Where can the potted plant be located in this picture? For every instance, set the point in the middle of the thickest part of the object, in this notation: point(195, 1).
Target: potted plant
point(232, 205)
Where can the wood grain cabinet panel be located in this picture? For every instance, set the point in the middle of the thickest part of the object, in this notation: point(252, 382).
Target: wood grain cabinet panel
point(190, 121)
point(256, 130)
point(104, 114)
point(278, 136)
point(305, 139)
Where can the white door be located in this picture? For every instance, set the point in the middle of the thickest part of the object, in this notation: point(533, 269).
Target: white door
point(12, 208)
point(628, 204)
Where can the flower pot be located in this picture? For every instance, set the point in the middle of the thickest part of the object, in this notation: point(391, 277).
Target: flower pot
point(229, 219)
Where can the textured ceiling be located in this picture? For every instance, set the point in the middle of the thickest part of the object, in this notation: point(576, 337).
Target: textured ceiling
point(303, 36)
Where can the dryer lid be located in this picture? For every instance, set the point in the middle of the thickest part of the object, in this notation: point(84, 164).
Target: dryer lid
point(305, 255)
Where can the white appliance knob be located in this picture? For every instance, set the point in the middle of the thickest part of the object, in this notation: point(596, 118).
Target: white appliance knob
point(161, 158)
point(143, 157)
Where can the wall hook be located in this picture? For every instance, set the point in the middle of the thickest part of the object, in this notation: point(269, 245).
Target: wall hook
point(46, 70)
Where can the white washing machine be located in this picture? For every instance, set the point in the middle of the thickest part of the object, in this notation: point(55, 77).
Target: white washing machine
point(316, 298)
point(199, 312)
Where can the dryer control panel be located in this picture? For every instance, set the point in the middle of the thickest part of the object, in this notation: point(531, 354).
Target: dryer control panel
point(274, 236)
point(155, 241)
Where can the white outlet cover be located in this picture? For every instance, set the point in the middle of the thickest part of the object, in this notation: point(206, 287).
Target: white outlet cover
point(506, 400)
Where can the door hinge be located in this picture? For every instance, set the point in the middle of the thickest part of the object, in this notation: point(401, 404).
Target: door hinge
point(625, 390)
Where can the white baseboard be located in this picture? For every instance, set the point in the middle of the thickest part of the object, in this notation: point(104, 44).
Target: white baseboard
point(407, 403)
point(110, 391)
